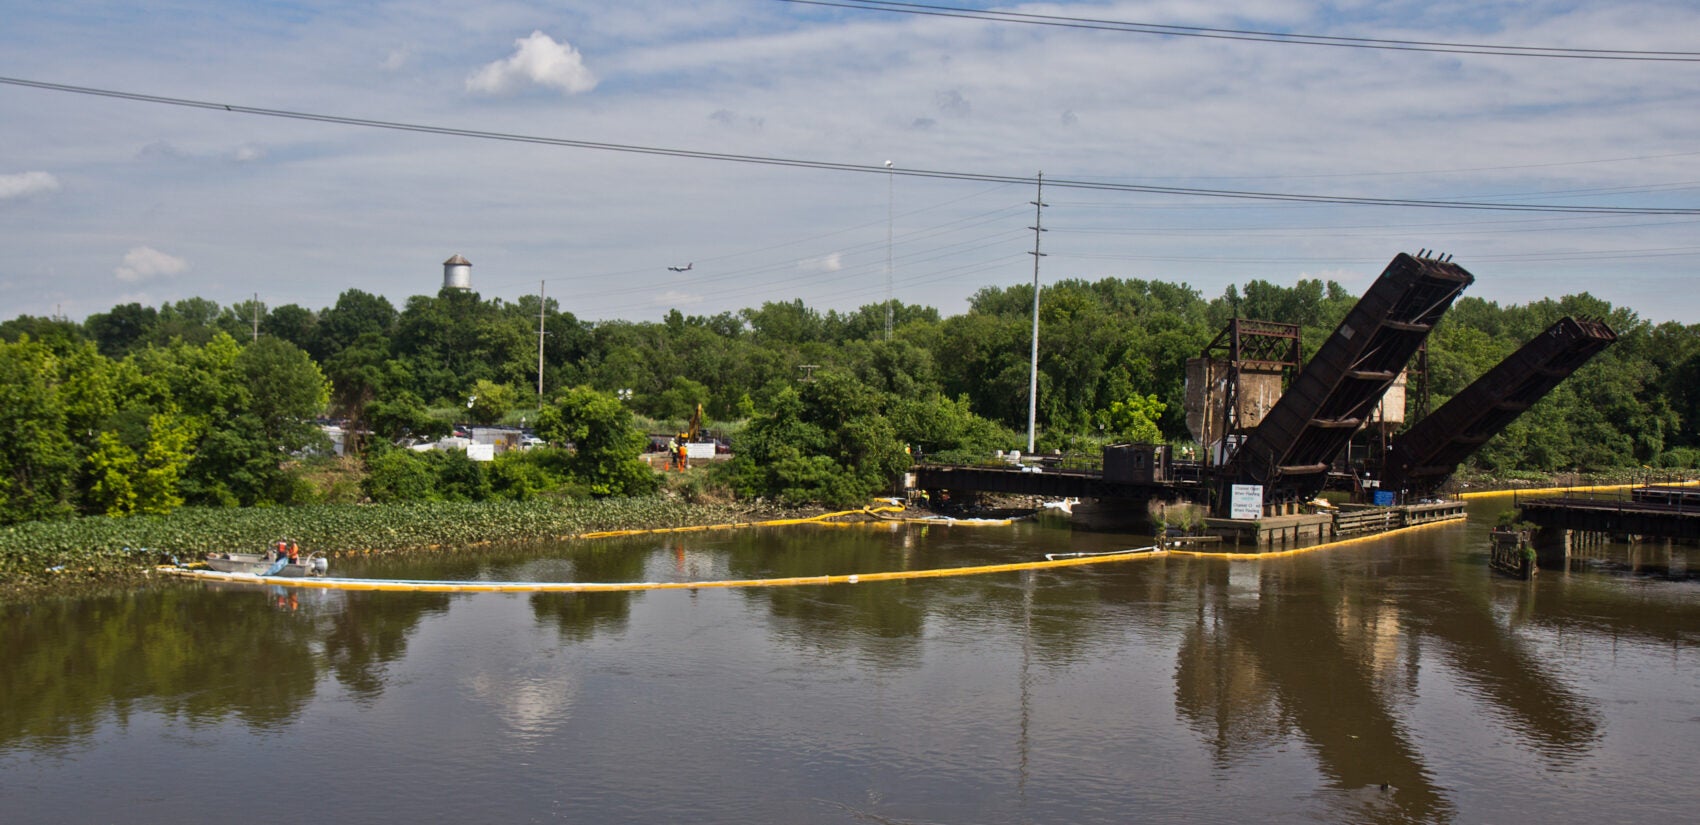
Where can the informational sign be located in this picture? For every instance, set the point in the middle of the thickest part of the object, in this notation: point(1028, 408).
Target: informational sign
point(1245, 501)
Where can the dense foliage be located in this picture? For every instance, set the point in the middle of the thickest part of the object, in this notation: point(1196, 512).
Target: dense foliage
point(139, 411)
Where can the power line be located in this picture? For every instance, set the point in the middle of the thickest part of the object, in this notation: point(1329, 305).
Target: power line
point(795, 163)
point(1059, 21)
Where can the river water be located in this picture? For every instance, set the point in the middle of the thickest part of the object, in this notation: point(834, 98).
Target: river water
point(1389, 680)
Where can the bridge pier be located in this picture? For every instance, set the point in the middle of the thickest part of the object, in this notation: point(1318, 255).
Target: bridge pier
point(1554, 547)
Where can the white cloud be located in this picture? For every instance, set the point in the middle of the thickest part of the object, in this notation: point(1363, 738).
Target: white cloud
point(537, 60)
point(673, 298)
point(144, 263)
point(249, 152)
point(24, 184)
point(825, 263)
point(396, 59)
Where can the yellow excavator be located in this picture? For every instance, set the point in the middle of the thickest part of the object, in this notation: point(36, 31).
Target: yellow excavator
point(680, 460)
point(693, 429)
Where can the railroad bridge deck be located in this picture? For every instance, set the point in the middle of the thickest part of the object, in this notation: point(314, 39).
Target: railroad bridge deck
point(1054, 483)
point(1649, 512)
point(1677, 519)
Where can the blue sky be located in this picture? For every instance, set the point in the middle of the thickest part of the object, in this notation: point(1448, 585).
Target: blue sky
point(106, 201)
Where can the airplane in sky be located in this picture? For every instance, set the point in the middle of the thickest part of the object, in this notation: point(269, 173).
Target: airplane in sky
point(685, 268)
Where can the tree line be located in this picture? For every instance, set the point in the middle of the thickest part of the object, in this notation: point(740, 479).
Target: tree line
point(141, 410)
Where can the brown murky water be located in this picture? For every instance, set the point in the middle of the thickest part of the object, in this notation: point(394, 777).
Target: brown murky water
point(1386, 681)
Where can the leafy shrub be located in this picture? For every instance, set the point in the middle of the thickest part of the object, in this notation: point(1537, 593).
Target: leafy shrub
point(523, 475)
point(459, 478)
point(399, 475)
point(1680, 458)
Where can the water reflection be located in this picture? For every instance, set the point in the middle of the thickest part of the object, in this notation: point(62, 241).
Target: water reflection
point(1378, 680)
point(248, 653)
point(579, 616)
point(1501, 670)
point(1251, 671)
point(882, 621)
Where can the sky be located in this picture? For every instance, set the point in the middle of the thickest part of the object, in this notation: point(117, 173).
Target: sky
point(109, 200)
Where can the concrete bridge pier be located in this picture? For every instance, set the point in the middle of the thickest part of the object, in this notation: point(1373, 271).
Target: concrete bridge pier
point(1552, 548)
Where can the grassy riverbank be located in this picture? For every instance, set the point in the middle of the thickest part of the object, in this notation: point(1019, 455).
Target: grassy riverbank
point(90, 552)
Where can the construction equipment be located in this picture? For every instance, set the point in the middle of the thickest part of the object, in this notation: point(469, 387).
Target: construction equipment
point(694, 428)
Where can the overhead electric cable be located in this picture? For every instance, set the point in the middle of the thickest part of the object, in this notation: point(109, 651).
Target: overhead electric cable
point(829, 166)
point(1163, 29)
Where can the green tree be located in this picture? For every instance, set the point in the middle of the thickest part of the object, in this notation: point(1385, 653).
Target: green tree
point(122, 329)
point(490, 401)
point(293, 323)
point(36, 457)
point(607, 448)
point(1134, 420)
point(256, 406)
point(111, 466)
point(124, 482)
point(399, 475)
point(829, 442)
point(356, 313)
point(196, 321)
point(57, 333)
point(358, 374)
point(163, 462)
point(459, 478)
point(680, 399)
point(403, 417)
point(937, 427)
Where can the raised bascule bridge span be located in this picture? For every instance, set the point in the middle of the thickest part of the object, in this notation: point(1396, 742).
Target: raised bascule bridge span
point(1275, 462)
point(1290, 452)
point(1422, 458)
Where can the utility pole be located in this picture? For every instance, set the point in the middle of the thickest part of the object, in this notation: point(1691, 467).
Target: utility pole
point(256, 316)
point(541, 305)
point(890, 204)
point(1033, 376)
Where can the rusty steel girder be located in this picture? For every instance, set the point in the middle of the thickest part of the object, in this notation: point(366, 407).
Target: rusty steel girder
point(1290, 452)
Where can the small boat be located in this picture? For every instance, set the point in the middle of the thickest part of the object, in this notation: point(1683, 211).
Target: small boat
point(269, 563)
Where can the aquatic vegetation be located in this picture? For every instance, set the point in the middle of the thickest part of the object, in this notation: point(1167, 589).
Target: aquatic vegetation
point(100, 547)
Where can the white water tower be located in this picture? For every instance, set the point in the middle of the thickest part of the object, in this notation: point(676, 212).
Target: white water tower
point(457, 273)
